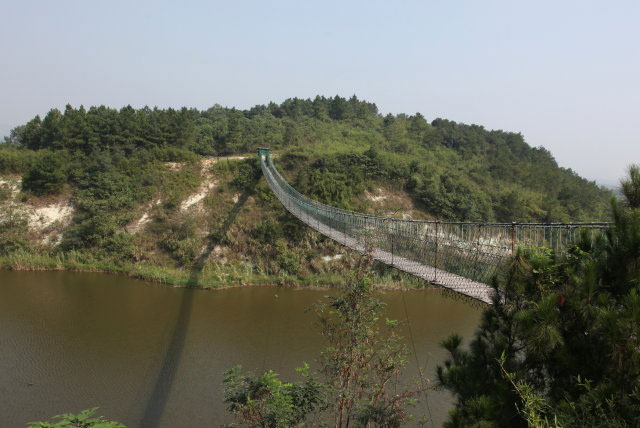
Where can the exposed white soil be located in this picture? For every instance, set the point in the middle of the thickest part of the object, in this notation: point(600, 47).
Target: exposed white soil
point(378, 197)
point(332, 258)
point(208, 182)
point(174, 166)
point(138, 224)
point(41, 218)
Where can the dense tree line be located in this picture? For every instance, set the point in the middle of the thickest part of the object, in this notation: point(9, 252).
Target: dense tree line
point(217, 130)
point(332, 149)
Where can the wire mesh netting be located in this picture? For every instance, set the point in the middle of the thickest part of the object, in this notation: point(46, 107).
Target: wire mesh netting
point(460, 256)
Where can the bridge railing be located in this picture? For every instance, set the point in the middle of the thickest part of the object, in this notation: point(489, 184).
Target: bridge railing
point(470, 253)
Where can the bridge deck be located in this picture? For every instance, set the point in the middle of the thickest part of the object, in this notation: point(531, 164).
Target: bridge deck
point(459, 284)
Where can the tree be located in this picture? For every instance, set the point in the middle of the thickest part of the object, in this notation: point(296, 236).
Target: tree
point(291, 134)
point(30, 136)
point(51, 130)
point(320, 108)
point(363, 360)
point(339, 108)
point(418, 126)
point(453, 197)
point(46, 177)
point(630, 187)
point(559, 346)
point(13, 224)
point(392, 128)
point(233, 140)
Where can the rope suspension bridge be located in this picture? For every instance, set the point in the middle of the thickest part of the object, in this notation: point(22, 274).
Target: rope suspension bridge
point(459, 256)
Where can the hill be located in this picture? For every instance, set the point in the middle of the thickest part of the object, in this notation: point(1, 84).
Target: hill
point(176, 195)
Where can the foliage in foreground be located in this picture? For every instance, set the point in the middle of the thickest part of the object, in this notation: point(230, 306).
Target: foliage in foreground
point(360, 366)
point(266, 401)
point(560, 346)
point(362, 361)
point(83, 419)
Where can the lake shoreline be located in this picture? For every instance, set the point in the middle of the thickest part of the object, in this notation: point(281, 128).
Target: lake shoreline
point(180, 278)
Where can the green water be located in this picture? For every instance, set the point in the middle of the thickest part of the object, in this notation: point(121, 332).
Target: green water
point(151, 355)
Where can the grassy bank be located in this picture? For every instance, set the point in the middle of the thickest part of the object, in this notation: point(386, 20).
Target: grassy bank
point(212, 276)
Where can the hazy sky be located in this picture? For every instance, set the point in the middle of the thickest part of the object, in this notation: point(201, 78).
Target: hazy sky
point(564, 73)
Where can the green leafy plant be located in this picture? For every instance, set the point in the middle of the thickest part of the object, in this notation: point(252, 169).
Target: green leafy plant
point(363, 359)
point(84, 419)
point(267, 402)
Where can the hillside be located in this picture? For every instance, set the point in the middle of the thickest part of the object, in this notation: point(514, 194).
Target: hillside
point(176, 195)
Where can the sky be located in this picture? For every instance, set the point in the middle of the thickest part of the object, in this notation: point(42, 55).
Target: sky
point(566, 74)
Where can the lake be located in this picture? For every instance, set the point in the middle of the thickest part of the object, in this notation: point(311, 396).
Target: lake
point(150, 355)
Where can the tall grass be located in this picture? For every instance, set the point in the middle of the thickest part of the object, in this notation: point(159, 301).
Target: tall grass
point(213, 275)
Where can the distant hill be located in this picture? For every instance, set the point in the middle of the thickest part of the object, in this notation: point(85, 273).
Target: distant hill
point(131, 185)
point(613, 186)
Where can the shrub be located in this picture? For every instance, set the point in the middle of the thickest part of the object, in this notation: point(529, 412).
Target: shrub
point(83, 419)
point(13, 223)
point(248, 173)
point(267, 232)
point(15, 161)
point(47, 176)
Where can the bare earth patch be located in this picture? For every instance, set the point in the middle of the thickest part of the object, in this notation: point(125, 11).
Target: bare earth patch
point(42, 217)
point(392, 203)
point(174, 166)
point(45, 215)
point(378, 196)
point(144, 219)
point(208, 182)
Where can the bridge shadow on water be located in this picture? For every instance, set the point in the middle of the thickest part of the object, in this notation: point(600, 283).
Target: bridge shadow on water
point(157, 401)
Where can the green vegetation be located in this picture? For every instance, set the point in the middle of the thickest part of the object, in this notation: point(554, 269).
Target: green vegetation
point(115, 167)
point(360, 366)
point(13, 223)
point(559, 348)
point(46, 176)
point(266, 401)
point(363, 360)
point(630, 187)
point(83, 419)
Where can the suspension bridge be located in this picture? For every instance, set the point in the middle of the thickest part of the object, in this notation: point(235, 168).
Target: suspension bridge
point(459, 256)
